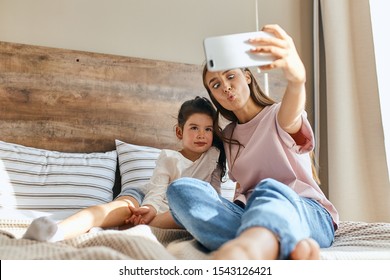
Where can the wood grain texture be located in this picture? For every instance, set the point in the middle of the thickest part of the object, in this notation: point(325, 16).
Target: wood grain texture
point(81, 102)
point(76, 101)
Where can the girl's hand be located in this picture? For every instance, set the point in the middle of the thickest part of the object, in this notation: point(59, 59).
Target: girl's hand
point(141, 215)
point(133, 219)
point(282, 47)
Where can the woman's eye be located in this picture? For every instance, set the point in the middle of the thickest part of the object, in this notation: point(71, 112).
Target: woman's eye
point(216, 85)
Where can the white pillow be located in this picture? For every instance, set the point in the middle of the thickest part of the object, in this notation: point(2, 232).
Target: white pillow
point(136, 163)
point(53, 182)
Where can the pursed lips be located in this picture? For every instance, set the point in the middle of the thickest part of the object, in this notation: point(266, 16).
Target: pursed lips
point(230, 96)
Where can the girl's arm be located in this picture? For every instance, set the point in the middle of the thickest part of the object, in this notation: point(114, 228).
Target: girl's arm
point(287, 59)
point(156, 188)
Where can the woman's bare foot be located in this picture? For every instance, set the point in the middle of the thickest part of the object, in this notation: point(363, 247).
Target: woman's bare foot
point(306, 249)
point(246, 246)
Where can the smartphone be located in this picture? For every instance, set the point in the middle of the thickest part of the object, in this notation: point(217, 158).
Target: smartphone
point(233, 51)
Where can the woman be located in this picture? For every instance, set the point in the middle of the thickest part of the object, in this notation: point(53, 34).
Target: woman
point(280, 211)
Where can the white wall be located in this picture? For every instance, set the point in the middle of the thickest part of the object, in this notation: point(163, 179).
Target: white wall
point(380, 22)
point(171, 30)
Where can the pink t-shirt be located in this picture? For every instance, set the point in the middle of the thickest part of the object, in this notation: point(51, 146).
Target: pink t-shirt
point(270, 152)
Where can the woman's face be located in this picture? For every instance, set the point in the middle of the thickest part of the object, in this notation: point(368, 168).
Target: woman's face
point(229, 88)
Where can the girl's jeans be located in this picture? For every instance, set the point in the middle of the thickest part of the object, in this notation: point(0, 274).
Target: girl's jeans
point(214, 220)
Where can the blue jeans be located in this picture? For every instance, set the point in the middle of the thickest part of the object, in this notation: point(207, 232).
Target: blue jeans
point(214, 220)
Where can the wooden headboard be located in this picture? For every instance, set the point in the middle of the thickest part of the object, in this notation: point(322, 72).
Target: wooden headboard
point(74, 101)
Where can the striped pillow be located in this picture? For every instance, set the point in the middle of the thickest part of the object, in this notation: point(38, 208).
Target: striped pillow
point(136, 163)
point(54, 182)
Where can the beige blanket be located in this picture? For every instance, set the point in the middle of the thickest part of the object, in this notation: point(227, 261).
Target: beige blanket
point(354, 240)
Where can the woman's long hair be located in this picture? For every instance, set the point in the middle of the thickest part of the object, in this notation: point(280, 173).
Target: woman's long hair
point(257, 95)
point(261, 99)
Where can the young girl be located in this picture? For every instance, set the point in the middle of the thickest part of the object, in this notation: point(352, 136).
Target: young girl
point(280, 212)
point(202, 156)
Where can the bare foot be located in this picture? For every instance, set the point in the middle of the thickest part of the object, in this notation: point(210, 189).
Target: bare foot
point(233, 250)
point(253, 244)
point(306, 249)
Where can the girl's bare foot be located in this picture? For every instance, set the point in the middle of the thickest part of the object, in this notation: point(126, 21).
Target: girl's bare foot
point(306, 249)
point(246, 246)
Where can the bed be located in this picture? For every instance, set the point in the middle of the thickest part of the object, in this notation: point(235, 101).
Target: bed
point(90, 124)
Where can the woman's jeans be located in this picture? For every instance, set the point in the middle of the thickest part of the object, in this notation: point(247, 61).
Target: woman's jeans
point(214, 220)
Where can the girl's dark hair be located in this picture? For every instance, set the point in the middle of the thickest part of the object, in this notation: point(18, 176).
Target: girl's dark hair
point(202, 105)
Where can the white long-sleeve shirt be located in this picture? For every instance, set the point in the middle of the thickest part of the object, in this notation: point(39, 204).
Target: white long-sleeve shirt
point(172, 165)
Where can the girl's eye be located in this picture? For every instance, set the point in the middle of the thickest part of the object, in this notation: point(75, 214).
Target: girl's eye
point(209, 129)
point(216, 85)
point(193, 128)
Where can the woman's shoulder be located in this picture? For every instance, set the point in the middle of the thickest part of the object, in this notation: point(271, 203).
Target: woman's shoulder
point(273, 108)
point(229, 127)
point(267, 113)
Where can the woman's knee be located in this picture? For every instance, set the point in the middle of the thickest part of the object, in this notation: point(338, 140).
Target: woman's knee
point(179, 187)
point(274, 188)
point(174, 192)
point(184, 189)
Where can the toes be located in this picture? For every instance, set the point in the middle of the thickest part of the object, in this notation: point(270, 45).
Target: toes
point(307, 249)
point(314, 249)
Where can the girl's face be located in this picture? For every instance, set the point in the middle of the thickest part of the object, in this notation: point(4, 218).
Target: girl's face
point(196, 135)
point(229, 88)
